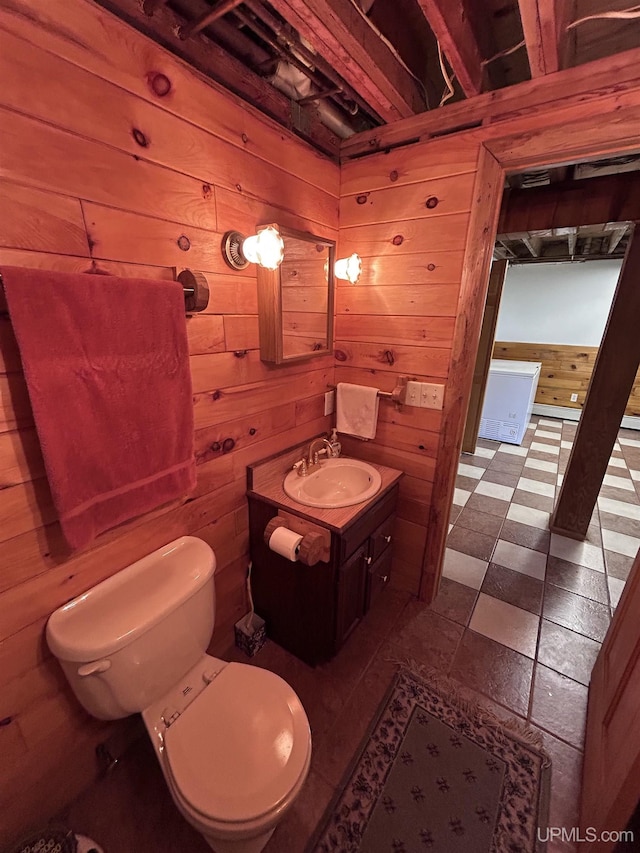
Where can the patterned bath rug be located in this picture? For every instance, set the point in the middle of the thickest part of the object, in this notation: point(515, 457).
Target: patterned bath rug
point(438, 773)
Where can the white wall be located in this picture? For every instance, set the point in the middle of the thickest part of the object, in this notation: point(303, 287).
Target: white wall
point(557, 303)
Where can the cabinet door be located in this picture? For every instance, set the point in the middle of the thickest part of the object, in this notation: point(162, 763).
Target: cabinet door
point(378, 575)
point(351, 589)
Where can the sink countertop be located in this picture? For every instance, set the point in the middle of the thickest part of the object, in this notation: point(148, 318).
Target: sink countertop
point(266, 482)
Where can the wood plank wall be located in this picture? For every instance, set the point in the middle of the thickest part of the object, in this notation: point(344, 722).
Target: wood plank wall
point(406, 213)
point(565, 370)
point(117, 158)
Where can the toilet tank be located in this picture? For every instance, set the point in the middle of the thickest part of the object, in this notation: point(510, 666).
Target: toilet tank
point(125, 642)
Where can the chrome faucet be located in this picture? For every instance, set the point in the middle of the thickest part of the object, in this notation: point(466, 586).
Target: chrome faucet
point(308, 462)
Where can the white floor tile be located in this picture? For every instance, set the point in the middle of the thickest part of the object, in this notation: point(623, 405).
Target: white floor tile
point(575, 551)
point(635, 475)
point(615, 590)
point(542, 465)
point(520, 559)
point(560, 479)
point(629, 442)
point(470, 470)
point(484, 451)
point(531, 426)
point(450, 528)
point(617, 462)
point(621, 543)
point(618, 482)
point(463, 568)
point(513, 449)
point(566, 445)
point(494, 490)
point(536, 487)
point(529, 515)
point(461, 496)
point(626, 510)
point(545, 448)
point(506, 624)
point(548, 423)
point(542, 433)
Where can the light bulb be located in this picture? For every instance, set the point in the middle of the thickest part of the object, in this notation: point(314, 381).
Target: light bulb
point(265, 248)
point(349, 268)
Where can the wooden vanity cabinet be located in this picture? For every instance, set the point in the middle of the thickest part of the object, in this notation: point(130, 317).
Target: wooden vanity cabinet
point(311, 610)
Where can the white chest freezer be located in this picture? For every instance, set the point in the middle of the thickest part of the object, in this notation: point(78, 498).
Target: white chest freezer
point(508, 400)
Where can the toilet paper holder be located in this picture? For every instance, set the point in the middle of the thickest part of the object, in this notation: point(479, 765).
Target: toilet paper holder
point(315, 546)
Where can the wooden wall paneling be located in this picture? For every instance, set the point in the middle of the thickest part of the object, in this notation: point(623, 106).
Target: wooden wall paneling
point(432, 361)
point(39, 154)
point(473, 289)
point(416, 331)
point(222, 438)
point(40, 221)
point(241, 332)
point(301, 433)
point(70, 263)
point(414, 165)
point(310, 409)
point(613, 376)
point(140, 66)
point(436, 300)
point(205, 333)
point(414, 201)
point(240, 212)
point(382, 239)
point(20, 459)
point(220, 370)
point(221, 405)
point(423, 268)
point(483, 358)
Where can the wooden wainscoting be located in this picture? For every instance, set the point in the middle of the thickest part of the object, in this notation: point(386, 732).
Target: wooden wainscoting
point(100, 174)
point(565, 370)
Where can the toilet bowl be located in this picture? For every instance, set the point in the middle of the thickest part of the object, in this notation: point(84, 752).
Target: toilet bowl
point(232, 740)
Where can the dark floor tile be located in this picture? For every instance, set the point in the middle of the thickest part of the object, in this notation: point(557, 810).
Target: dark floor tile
point(524, 534)
point(488, 443)
point(566, 781)
point(484, 503)
point(620, 524)
point(565, 651)
point(513, 587)
point(504, 478)
point(466, 483)
point(541, 476)
point(559, 705)
point(508, 463)
point(469, 542)
point(594, 534)
point(577, 579)
point(454, 601)
point(426, 636)
point(544, 455)
point(481, 522)
point(618, 565)
point(619, 495)
point(583, 615)
point(494, 670)
point(472, 459)
point(454, 513)
point(524, 498)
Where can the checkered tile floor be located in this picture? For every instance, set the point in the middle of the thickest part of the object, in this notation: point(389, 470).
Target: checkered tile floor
point(544, 596)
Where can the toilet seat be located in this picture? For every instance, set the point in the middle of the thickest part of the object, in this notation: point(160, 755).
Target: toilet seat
point(239, 750)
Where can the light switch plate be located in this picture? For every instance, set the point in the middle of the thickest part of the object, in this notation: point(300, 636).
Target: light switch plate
point(431, 396)
point(329, 402)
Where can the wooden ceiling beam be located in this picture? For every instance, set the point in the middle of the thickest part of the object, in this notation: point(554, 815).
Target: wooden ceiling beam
point(451, 26)
point(592, 201)
point(615, 238)
point(342, 36)
point(544, 23)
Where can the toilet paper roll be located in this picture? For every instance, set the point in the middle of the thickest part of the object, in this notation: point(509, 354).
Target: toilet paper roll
point(285, 542)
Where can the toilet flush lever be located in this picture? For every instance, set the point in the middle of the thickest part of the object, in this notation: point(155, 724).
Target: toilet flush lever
point(93, 668)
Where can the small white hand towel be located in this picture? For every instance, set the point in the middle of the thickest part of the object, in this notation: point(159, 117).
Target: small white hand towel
point(357, 410)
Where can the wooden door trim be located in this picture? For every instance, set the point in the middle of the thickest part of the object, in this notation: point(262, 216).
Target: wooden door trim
point(603, 127)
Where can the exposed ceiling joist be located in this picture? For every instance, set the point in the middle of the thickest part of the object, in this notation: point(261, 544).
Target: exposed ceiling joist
point(451, 26)
point(341, 35)
point(533, 244)
point(615, 238)
point(544, 23)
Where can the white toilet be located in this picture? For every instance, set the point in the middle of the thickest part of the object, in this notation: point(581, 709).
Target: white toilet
point(233, 740)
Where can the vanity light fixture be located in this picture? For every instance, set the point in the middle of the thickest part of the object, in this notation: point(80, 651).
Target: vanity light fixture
point(349, 268)
point(266, 248)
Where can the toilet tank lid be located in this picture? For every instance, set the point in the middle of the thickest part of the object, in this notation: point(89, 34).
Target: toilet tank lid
point(121, 608)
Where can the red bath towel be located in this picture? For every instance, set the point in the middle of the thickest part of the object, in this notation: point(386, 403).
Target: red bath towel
point(106, 364)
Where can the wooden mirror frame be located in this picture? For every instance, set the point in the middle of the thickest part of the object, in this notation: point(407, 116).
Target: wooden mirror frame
point(270, 309)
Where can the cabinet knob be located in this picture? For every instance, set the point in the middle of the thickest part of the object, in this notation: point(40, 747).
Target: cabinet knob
point(368, 560)
point(387, 538)
point(384, 578)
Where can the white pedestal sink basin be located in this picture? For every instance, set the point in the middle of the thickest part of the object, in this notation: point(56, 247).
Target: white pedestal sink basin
point(334, 483)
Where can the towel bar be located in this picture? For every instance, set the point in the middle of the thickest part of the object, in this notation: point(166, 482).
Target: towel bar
point(194, 285)
point(397, 395)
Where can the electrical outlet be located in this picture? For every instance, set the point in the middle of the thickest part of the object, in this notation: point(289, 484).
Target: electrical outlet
point(412, 397)
point(574, 398)
point(431, 396)
point(329, 402)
